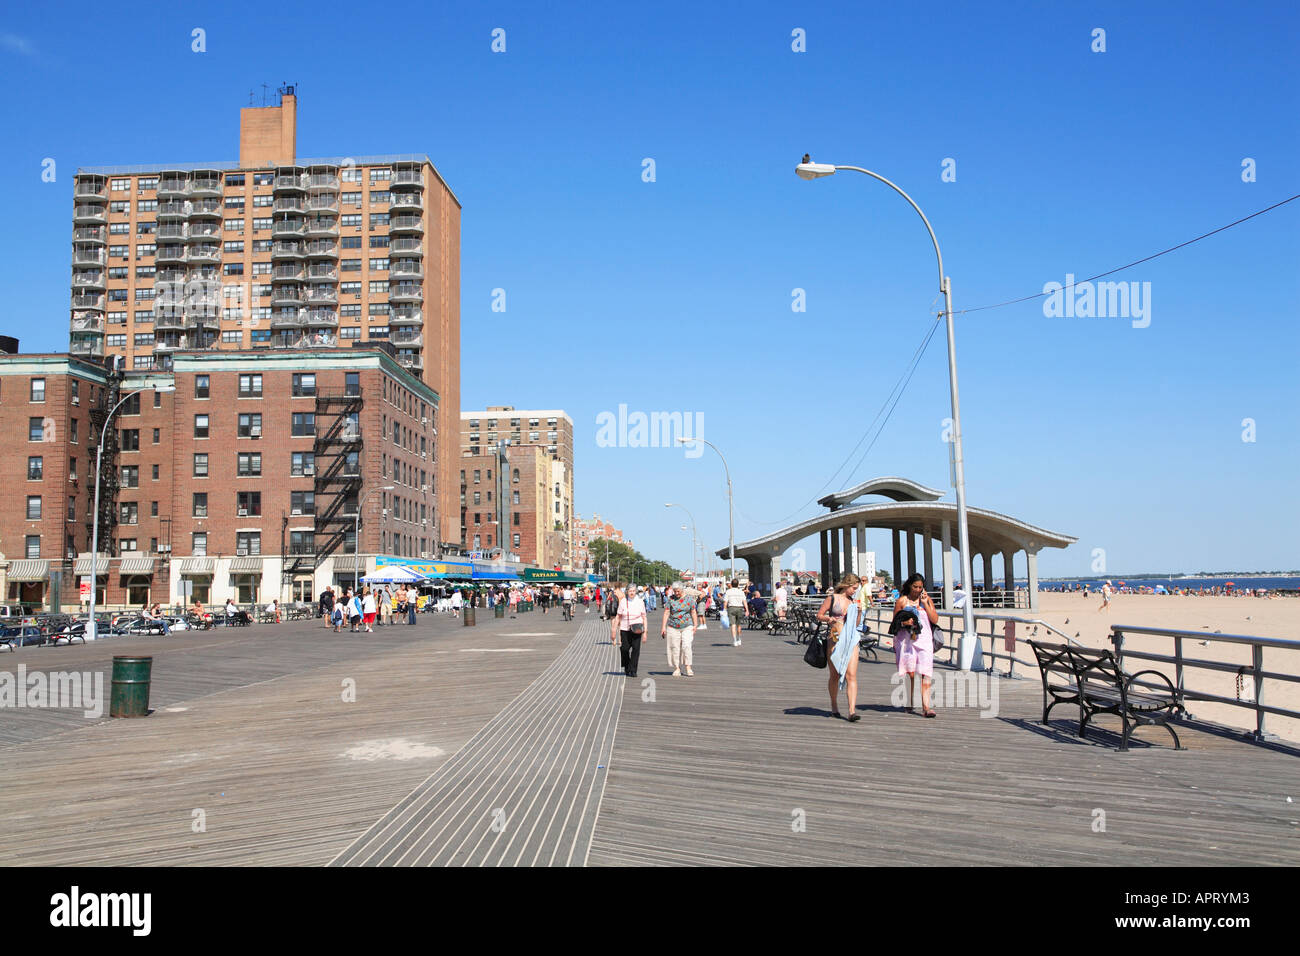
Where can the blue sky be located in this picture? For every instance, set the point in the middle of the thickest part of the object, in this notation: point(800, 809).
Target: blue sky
point(676, 294)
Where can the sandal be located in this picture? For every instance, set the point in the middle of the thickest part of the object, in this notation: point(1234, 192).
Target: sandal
point(928, 713)
point(837, 715)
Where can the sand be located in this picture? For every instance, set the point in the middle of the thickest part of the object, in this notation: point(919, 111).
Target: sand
point(1079, 617)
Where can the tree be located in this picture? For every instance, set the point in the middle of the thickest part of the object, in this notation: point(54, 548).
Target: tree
point(614, 556)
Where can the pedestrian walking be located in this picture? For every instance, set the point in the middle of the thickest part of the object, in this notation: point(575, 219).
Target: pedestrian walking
point(628, 629)
point(368, 610)
point(913, 628)
point(354, 611)
point(327, 604)
point(835, 611)
point(412, 605)
point(678, 627)
point(734, 601)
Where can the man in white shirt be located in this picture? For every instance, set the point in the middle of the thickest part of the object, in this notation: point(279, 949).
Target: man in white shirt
point(782, 597)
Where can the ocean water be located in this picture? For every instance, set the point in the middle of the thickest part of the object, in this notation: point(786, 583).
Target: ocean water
point(1193, 584)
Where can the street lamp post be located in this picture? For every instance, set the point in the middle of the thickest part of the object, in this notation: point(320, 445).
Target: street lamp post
point(694, 537)
point(91, 629)
point(731, 503)
point(356, 535)
point(966, 649)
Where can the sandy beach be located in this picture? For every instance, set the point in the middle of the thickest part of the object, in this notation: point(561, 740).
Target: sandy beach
point(1079, 617)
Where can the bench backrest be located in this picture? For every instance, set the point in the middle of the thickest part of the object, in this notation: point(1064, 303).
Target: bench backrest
point(1096, 664)
point(1055, 659)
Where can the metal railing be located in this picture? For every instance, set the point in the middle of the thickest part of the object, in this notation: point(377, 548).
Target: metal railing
point(1181, 662)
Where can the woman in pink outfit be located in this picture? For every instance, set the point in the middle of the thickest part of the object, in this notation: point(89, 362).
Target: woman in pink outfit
point(914, 646)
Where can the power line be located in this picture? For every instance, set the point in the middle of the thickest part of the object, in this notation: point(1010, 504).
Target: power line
point(1102, 275)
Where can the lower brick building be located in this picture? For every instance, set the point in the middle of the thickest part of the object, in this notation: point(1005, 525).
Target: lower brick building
point(235, 474)
point(515, 500)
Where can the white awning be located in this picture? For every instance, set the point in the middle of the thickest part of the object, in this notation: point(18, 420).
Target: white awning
point(101, 565)
point(137, 566)
point(198, 565)
point(29, 570)
point(349, 563)
point(246, 565)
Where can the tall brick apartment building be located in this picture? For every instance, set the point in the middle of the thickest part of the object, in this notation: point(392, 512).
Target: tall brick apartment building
point(273, 252)
point(245, 480)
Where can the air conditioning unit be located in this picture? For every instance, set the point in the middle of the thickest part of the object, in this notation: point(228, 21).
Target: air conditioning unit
point(424, 554)
point(424, 421)
point(241, 552)
point(424, 489)
point(296, 511)
point(164, 549)
point(243, 512)
point(76, 400)
point(256, 432)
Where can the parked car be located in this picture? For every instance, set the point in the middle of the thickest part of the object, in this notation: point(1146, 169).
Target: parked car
point(137, 625)
point(178, 623)
point(20, 635)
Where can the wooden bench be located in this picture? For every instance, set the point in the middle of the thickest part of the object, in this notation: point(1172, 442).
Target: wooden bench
point(1094, 681)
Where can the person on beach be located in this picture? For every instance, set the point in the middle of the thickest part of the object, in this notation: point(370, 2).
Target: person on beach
point(1106, 592)
point(628, 629)
point(836, 611)
point(914, 645)
point(734, 602)
point(679, 623)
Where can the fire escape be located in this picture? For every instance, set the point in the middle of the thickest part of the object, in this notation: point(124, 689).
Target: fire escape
point(108, 479)
point(338, 472)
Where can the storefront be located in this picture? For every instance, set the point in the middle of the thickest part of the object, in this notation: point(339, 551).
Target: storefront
point(83, 572)
point(246, 579)
point(197, 574)
point(27, 581)
point(136, 581)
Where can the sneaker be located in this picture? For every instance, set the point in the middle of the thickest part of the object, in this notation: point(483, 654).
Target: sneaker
point(677, 672)
point(689, 672)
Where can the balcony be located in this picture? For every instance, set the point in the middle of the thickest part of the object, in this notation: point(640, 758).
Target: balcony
point(172, 210)
point(410, 201)
point(90, 215)
point(323, 249)
point(288, 229)
point(204, 208)
point(406, 316)
point(170, 230)
point(88, 280)
point(94, 234)
point(286, 296)
point(201, 317)
point(406, 247)
point(410, 361)
point(323, 202)
point(308, 341)
point(88, 323)
point(322, 227)
point(93, 347)
point(288, 318)
point(295, 181)
point(405, 292)
point(170, 343)
point(89, 257)
point(287, 250)
point(321, 295)
point(288, 204)
point(169, 253)
point(205, 252)
point(407, 177)
point(288, 273)
point(320, 182)
point(91, 189)
point(168, 318)
point(202, 185)
point(173, 187)
point(322, 274)
point(407, 337)
point(405, 224)
point(88, 301)
point(322, 317)
point(406, 269)
point(203, 230)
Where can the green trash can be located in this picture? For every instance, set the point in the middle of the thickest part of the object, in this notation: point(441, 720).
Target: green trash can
point(467, 615)
point(499, 610)
point(131, 679)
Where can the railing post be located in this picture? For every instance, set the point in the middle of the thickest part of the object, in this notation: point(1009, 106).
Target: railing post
point(1257, 661)
point(1117, 638)
point(1178, 670)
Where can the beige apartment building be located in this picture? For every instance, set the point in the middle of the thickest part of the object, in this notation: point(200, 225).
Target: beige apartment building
point(274, 252)
point(551, 431)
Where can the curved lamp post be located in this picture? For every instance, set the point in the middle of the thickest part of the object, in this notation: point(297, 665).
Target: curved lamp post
point(966, 649)
point(694, 536)
point(356, 535)
point(731, 504)
point(91, 629)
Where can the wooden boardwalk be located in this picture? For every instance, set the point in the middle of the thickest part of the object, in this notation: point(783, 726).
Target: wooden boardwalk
point(256, 755)
point(527, 789)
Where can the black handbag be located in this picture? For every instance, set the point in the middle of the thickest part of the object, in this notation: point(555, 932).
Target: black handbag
point(815, 655)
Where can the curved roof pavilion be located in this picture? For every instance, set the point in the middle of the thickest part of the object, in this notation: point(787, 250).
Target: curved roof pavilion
point(912, 511)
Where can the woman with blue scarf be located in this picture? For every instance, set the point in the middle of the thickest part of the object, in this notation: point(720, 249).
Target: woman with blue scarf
point(841, 611)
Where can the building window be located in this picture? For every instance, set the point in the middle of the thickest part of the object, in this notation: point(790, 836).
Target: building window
point(250, 426)
point(201, 386)
point(199, 544)
point(304, 384)
point(129, 513)
point(72, 431)
point(35, 468)
point(250, 386)
point(516, 541)
point(303, 463)
point(33, 544)
point(516, 476)
point(250, 464)
point(35, 430)
point(304, 424)
point(155, 472)
point(130, 476)
point(130, 439)
point(248, 542)
point(38, 390)
point(249, 503)
point(303, 542)
point(157, 436)
point(200, 466)
point(200, 426)
point(200, 504)
point(302, 502)
point(33, 507)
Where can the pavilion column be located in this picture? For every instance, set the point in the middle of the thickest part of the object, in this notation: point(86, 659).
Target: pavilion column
point(825, 563)
point(849, 559)
point(927, 557)
point(898, 560)
point(945, 538)
point(1009, 576)
point(835, 555)
point(911, 552)
point(988, 570)
point(776, 570)
point(861, 568)
point(1032, 557)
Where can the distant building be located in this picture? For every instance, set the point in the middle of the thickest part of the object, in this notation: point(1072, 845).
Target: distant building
point(587, 531)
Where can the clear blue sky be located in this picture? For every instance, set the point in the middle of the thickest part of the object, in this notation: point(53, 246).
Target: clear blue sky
point(676, 294)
